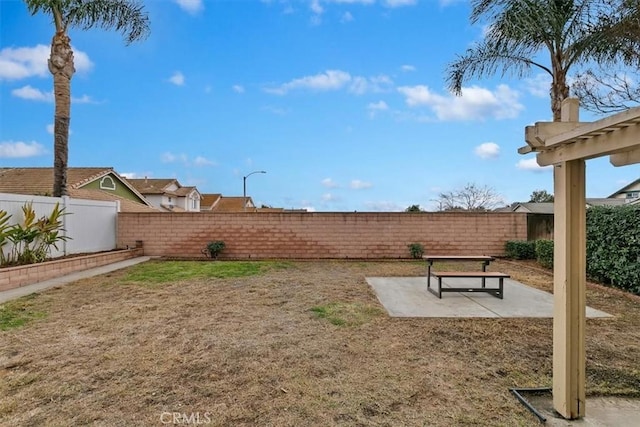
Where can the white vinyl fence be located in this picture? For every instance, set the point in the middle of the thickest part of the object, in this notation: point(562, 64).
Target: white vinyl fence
point(89, 224)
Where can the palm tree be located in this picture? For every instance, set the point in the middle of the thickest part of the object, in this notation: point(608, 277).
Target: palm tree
point(125, 16)
point(572, 32)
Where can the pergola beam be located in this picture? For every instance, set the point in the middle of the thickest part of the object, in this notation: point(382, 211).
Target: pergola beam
point(609, 124)
point(625, 158)
point(587, 146)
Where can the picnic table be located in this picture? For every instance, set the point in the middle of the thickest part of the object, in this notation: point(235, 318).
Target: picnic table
point(482, 275)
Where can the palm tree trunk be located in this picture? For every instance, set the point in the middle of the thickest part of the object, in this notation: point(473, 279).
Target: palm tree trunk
point(559, 92)
point(62, 69)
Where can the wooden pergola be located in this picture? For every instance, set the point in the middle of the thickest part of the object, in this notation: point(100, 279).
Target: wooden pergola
point(567, 145)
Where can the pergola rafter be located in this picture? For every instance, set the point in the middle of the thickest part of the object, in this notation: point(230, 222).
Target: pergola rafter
point(567, 145)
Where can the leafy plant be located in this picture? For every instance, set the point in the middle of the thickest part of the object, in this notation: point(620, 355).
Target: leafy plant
point(613, 246)
point(214, 248)
point(544, 252)
point(416, 250)
point(32, 239)
point(520, 249)
point(5, 231)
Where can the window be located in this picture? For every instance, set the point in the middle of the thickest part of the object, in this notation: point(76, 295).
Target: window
point(170, 199)
point(633, 194)
point(107, 183)
point(194, 204)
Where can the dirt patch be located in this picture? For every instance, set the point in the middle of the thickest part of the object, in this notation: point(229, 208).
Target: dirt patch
point(262, 350)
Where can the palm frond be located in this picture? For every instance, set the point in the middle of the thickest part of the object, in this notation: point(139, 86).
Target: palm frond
point(128, 17)
point(486, 59)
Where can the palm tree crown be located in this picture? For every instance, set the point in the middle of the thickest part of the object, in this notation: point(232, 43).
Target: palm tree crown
point(572, 32)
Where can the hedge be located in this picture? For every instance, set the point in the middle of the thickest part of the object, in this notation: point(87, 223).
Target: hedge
point(544, 252)
point(520, 249)
point(613, 246)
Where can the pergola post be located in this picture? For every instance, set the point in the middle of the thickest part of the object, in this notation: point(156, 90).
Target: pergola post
point(569, 281)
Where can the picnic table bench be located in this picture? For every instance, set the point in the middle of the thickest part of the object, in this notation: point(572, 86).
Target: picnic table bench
point(482, 275)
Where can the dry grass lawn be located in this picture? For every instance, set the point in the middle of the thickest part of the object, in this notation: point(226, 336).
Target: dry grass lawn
point(292, 344)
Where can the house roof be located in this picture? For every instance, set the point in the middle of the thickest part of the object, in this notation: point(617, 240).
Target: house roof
point(153, 186)
point(626, 187)
point(605, 202)
point(233, 204)
point(542, 208)
point(126, 205)
point(208, 200)
point(185, 191)
point(547, 208)
point(39, 181)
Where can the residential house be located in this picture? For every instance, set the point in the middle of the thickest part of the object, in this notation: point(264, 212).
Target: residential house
point(168, 195)
point(630, 193)
point(220, 203)
point(547, 208)
point(82, 183)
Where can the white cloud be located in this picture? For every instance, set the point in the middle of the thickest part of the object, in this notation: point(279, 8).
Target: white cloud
point(169, 157)
point(81, 61)
point(15, 149)
point(346, 17)
point(475, 103)
point(329, 183)
point(376, 84)
point(539, 85)
point(329, 80)
point(130, 175)
point(278, 111)
point(190, 6)
point(408, 68)
point(488, 150)
point(383, 207)
point(177, 78)
point(356, 184)
point(238, 88)
point(399, 3)
point(376, 107)
point(316, 7)
point(23, 62)
point(32, 94)
point(84, 99)
point(532, 165)
point(332, 80)
point(328, 197)
point(202, 161)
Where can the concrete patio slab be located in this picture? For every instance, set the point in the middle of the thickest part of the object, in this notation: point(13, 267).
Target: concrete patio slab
point(408, 297)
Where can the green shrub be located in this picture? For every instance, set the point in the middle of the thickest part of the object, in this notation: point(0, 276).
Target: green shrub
point(613, 246)
point(544, 252)
point(520, 249)
point(32, 239)
point(416, 250)
point(214, 248)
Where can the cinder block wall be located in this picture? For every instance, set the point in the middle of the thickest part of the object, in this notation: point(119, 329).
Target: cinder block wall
point(321, 234)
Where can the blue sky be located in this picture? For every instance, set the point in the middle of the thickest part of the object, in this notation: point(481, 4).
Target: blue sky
point(342, 102)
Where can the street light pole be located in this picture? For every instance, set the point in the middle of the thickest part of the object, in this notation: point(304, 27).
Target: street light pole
point(244, 189)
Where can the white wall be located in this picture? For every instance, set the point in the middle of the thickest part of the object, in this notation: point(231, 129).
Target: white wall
point(90, 224)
